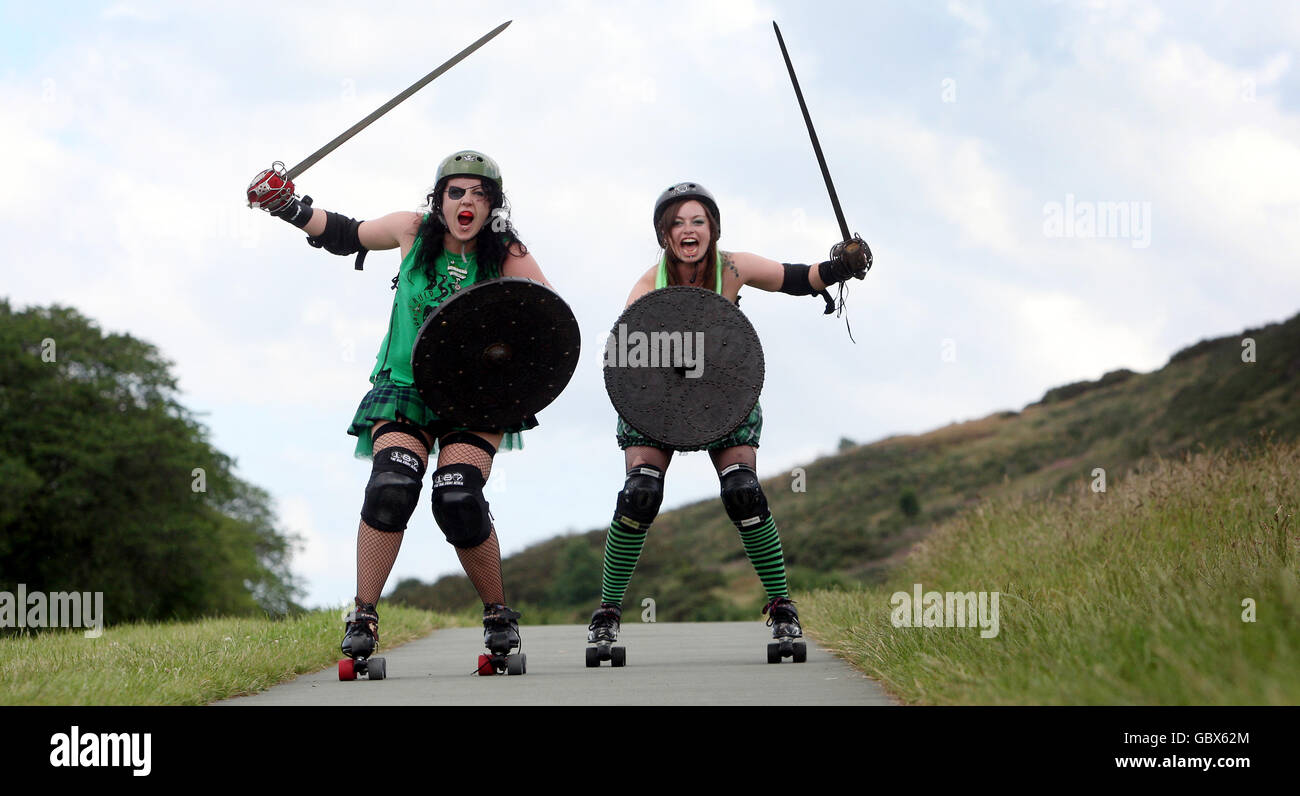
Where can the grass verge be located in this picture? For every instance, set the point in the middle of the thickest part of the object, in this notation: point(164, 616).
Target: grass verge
point(184, 663)
point(1137, 595)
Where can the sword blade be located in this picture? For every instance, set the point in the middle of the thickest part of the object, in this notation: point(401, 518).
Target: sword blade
point(817, 147)
point(394, 102)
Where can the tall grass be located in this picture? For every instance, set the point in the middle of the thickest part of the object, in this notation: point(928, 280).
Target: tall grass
point(1137, 595)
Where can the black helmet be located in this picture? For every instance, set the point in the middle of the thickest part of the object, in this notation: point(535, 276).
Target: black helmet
point(687, 190)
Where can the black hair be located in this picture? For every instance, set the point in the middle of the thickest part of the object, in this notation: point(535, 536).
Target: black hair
point(491, 246)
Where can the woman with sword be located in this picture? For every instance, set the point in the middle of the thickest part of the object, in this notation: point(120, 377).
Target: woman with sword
point(463, 238)
point(687, 224)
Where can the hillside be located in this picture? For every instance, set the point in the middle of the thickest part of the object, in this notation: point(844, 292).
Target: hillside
point(867, 505)
point(1179, 585)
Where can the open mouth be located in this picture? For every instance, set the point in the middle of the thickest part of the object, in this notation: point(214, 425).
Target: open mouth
point(465, 218)
point(689, 247)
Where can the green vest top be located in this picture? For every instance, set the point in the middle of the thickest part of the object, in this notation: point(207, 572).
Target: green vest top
point(661, 278)
point(417, 297)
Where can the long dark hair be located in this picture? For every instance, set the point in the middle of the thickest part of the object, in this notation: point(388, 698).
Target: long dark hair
point(710, 254)
point(491, 247)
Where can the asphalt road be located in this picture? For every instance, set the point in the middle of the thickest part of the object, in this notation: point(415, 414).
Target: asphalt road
point(713, 663)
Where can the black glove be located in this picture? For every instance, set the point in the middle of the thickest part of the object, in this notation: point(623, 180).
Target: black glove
point(296, 211)
point(849, 259)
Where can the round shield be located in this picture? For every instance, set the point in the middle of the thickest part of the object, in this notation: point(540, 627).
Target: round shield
point(496, 353)
point(683, 366)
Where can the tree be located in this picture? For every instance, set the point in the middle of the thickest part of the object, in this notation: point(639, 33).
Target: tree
point(577, 575)
point(909, 503)
point(111, 485)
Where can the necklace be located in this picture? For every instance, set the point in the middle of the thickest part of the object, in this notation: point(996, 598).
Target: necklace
point(457, 274)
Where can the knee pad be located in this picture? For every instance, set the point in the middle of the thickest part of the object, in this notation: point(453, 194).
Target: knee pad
point(743, 496)
point(459, 506)
point(393, 490)
point(638, 503)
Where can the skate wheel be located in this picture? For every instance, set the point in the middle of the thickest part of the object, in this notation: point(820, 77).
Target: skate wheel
point(618, 656)
point(593, 657)
point(376, 669)
point(800, 652)
point(485, 667)
point(517, 664)
point(774, 652)
point(347, 669)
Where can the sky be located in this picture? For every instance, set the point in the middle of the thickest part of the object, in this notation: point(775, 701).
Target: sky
point(1051, 191)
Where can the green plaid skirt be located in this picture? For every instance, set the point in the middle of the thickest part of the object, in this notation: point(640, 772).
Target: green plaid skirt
point(388, 400)
point(747, 433)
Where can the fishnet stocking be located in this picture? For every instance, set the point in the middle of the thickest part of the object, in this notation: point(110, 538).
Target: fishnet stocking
point(376, 549)
point(483, 563)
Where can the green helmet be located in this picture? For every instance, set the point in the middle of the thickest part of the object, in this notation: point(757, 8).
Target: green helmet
point(469, 163)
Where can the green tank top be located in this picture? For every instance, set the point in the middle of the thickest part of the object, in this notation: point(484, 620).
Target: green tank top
point(661, 278)
point(417, 297)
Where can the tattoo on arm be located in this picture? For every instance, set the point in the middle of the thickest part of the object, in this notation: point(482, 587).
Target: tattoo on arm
point(726, 259)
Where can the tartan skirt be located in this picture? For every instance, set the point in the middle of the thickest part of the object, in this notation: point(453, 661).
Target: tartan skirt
point(388, 400)
point(747, 433)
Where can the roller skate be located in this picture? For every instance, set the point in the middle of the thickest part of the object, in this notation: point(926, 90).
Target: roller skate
point(786, 633)
point(500, 636)
point(360, 640)
point(602, 633)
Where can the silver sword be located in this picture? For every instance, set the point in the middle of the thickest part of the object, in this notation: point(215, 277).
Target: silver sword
point(394, 102)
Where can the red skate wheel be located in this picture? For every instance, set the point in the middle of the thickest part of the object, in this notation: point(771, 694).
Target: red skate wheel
point(485, 666)
point(347, 670)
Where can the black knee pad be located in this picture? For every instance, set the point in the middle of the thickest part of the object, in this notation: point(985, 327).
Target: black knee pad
point(743, 496)
point(638, 503)
point(393, 490)
point(459, 506)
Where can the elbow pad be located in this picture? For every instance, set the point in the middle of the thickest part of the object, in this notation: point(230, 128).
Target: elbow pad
point(795, 281)
point(341, 236)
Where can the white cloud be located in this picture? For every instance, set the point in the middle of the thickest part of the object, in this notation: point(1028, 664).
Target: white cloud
point(316, 557)
point(1062, 338)
point(969, 13)
point(128, 11)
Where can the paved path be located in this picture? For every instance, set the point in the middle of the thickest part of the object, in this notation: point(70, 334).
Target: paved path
point(713, 663)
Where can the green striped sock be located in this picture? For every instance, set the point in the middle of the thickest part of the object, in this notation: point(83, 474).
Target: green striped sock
point(622, 550)
point(763, 546)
